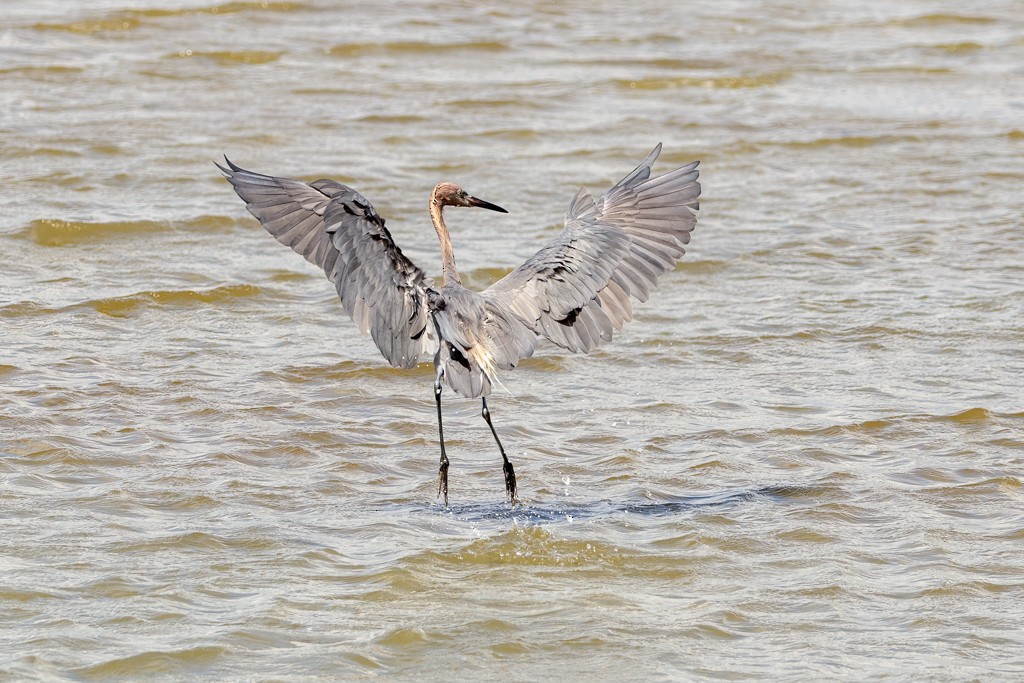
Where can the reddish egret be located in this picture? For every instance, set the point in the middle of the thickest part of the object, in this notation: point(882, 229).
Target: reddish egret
point(575, 291)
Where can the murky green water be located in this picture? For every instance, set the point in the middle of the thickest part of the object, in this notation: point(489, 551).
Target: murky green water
point(803, 459)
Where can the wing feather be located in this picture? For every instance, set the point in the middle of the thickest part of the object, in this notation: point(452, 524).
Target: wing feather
point(576, 290)
point(334, 227)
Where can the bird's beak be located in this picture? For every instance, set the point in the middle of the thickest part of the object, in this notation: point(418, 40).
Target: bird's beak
point(473, 201)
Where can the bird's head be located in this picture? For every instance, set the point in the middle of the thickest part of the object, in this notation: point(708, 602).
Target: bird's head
point(450, 194)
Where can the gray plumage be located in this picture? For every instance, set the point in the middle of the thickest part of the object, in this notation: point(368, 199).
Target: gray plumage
point(576, 291)
point(336, 228)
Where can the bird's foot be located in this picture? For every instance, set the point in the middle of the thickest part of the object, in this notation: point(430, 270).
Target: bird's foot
point(442, 481)
point(510, 481)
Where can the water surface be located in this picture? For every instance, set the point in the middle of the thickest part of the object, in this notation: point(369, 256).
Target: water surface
point(802, 460)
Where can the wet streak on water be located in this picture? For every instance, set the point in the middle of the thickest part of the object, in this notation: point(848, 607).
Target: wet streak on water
point(802, 459)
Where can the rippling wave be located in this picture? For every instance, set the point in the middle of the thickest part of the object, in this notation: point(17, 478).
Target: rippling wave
point(225, 58)
point(414, 47)
point(729, 82)
point(126, 20)
point(51, 232)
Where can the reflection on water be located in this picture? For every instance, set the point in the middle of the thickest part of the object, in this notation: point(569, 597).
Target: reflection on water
point(542, 513)
point(802, 459)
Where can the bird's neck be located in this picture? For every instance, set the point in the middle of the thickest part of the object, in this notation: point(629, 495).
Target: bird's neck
point(451, 273)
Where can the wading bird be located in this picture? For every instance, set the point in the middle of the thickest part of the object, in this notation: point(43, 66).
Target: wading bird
point(575, 291)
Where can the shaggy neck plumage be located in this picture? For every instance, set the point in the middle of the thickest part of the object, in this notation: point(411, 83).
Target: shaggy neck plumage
point(451, 273)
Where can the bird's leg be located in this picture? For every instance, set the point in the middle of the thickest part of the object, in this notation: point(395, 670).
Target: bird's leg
point(442, 470)
point(510, 473)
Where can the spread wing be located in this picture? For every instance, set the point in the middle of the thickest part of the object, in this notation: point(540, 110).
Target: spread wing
point(336, 228)
point(577, 289)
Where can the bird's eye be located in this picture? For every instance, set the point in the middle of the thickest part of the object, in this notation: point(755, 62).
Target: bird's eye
point(463, 194)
